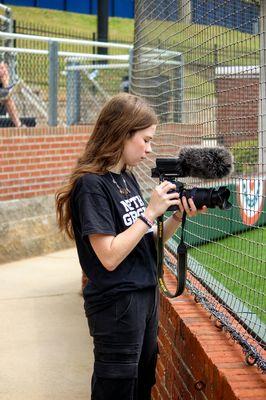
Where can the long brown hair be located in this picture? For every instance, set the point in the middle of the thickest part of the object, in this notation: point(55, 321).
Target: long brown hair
point(120, 118)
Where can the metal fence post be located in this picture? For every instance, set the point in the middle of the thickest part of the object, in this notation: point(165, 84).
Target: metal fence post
point(73, 94)
point(53, 82)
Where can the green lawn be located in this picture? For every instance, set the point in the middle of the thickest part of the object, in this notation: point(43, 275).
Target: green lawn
point(239, 263)
point(81, 23)
point(196, 42)
point(204, 44)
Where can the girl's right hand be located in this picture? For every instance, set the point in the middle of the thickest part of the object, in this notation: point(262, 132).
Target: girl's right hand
point(161, 199)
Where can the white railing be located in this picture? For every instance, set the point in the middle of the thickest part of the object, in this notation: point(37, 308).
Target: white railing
point(48, 39)
point(121, 57)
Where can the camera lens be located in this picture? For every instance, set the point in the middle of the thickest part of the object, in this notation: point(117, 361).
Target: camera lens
point(210, 198)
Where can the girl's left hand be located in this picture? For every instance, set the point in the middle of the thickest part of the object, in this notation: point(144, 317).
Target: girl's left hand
point(189, 207)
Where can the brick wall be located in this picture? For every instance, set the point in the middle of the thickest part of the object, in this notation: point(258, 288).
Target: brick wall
point(35, 161)
point(237, 108)
point(198, 361)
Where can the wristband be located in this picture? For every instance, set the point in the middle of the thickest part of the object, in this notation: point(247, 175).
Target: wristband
point(146, 221)
point(176, 218)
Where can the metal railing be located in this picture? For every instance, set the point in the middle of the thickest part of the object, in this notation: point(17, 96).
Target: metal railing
point(64, 82)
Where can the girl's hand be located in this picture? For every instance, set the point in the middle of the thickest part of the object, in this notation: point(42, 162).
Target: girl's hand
point(161, 199)
point(189, 207)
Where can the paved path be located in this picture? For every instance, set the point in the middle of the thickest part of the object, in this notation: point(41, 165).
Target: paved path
point(45, 348)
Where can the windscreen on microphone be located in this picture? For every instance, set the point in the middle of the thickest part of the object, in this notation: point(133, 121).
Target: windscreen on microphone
point(205, 162)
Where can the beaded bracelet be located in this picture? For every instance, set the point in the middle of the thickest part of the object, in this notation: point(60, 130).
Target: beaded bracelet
point(146, 221)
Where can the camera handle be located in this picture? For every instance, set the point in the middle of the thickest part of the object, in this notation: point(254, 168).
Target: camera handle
point(182, 259)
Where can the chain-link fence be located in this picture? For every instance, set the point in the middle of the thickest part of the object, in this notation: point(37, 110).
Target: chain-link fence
point(57, 81)
point(204, 73)
point(29, 28)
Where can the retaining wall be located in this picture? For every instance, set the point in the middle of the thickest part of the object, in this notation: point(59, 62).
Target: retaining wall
point(198, 361)
point(34, 163)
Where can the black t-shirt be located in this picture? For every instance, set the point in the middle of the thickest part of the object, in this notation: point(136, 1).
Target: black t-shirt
point(98, 207)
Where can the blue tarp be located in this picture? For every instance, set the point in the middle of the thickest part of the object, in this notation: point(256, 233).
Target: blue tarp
point(117, 8)
point(235, 14)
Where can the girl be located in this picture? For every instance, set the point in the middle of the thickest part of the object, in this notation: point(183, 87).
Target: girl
point(102, 209)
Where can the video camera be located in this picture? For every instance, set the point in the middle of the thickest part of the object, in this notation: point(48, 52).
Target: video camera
point(166, 169)
point(206, 163)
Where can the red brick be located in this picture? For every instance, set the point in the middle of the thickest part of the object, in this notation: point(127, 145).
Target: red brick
point(200, 352)
point(237, 107)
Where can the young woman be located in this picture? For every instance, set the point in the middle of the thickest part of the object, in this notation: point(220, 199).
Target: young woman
point(103, 210)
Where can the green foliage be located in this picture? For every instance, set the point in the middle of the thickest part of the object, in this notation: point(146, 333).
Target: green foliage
point(245, 156)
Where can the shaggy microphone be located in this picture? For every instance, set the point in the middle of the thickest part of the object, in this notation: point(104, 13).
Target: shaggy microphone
point(197, 162)
point(206, 163)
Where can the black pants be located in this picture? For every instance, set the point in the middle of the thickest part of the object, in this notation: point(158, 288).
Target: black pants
point(125, 347)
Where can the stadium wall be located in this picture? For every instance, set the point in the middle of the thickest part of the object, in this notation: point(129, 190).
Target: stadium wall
point(196, 359)
point(235, 14)
point(34, 163)
point(117, 8)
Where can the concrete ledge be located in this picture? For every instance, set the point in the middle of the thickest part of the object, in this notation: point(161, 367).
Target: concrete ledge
point(28, 228)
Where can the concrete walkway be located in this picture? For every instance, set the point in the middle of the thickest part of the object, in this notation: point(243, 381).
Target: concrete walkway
point(45, 347)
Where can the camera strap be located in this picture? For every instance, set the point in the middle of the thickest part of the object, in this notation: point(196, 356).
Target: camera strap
point(181, 256)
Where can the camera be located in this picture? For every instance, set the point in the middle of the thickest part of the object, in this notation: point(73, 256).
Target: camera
point(198, 162)
point(169, 169)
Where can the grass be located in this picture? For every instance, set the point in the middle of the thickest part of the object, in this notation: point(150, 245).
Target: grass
point(203, 48)
point(81, 23)
point(196, 42)
point(238, 262)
